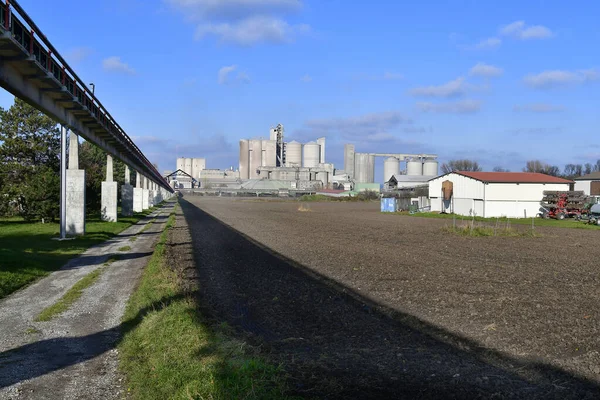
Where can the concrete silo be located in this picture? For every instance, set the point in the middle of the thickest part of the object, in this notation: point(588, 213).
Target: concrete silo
point(293, 154)
point(187, 166)
point(364, 168)
point(391, 167)
point(244, 159)
point(414, 168)
point(198, 165)
point(321, 143)
point(181, 163)
point(349, 160)
point(255, 147)
point(312, 155)
point(430, 168)
point(269, 153)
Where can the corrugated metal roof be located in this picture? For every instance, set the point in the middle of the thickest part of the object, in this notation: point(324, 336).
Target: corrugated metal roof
point(512, 177)
point(589, 177)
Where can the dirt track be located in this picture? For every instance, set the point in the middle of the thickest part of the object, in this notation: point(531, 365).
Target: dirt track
point(359, 304)
point(74, 355)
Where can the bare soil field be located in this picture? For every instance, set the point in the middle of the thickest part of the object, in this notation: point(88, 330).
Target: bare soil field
point(358, 304)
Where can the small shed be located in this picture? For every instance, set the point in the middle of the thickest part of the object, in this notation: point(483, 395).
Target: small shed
point(492, 194)
point(590, 184)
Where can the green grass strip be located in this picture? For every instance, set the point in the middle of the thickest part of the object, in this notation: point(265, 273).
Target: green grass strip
point(170, 352)
point(27, 252)
point(70, 297)
point(537, 222)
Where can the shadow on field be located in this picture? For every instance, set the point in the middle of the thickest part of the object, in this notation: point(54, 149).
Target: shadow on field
point(335, 343)
point(45, 356)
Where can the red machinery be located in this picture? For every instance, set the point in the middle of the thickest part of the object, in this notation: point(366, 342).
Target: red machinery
point(561, 205)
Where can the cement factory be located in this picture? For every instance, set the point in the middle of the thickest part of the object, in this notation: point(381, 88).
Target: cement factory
point(276, 165)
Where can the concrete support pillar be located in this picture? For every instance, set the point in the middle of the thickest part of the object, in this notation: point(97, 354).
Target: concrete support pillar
point(127, 195)
point(151, 199)
point(145, 194)
point(73, 151)
point(75, 201)
point(138, 194)
point(108, 211)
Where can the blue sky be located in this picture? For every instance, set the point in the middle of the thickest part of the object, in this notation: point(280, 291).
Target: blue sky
point(499, 82)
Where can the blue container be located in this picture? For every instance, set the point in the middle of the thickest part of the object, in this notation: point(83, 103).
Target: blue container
point(388, 204)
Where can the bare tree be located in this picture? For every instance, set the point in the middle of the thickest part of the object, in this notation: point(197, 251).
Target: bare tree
point(500, 169)
point(587, 169)
point(460, 165)
point(541, 167)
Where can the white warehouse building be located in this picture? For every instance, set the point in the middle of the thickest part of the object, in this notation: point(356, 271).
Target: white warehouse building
point(492, 194)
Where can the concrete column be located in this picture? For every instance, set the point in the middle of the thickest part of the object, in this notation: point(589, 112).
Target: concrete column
point(138, 194)
point(108, 211)
point(127, 195)
point(151, 199)
point(73, 151)
point(75, 201)
point(146, 193)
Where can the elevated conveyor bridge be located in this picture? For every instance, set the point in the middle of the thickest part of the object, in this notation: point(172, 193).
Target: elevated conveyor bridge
point(33, 70)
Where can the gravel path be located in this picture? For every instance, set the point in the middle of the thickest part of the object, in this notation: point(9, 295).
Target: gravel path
point(358, 304)
point(73, 356)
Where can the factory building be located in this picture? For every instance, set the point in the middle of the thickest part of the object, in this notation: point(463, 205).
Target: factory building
point(277, 160)
point(360, 167)
point(191, 166)
point(590, 184)
point(492, 194)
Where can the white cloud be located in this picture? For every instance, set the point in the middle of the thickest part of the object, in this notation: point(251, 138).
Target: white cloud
point(374, 126)
point(306, 78)
point(488, 43)
point(455, 88)
point(539, 108)
point(78, 54)
point(243, 22)
point(458, 107)
point(519, 30)
point(250, 31)
point(235, 9)
point(226, 75)
point(555, 78)
point(486, 70)
point(114, 64)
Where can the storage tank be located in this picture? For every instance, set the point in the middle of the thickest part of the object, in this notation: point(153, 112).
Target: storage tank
point(430, 168)
point(371, 168)
point(269, 153)
point(244, 159)
point(364, 168)
point(349, 160)
point(312, 153)
point(181, 163)
point(321, 143)
point(255, 147)
point(414, 168)
point(293, 154)
point(391, 167)
point(198, 165)
point(188, 166)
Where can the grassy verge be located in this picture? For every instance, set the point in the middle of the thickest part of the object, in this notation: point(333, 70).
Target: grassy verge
point(70, 297)
point(170, 352)
point(27, 252)
point(482, 231)
point(367, 195)
point(567, 223)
